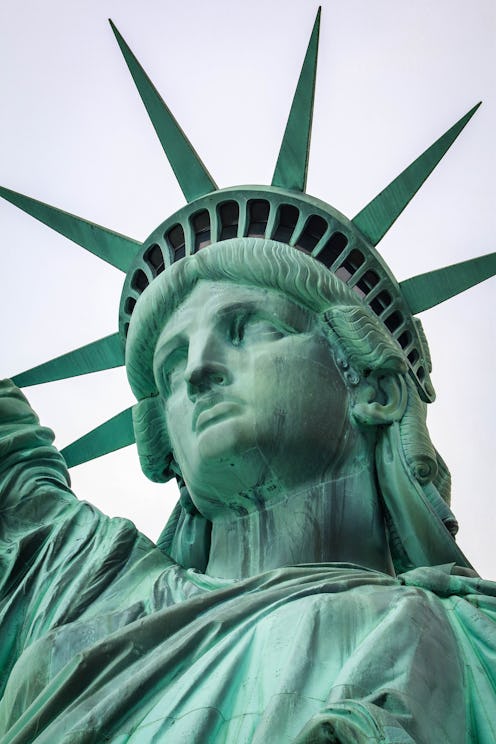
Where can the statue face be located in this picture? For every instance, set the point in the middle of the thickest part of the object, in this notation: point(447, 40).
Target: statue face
point(252, 395)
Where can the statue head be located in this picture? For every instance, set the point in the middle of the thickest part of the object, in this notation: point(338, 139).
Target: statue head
point(246, 295)
point(255, 368)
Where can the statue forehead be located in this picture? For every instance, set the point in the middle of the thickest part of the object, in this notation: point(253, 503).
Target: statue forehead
point(211, 301)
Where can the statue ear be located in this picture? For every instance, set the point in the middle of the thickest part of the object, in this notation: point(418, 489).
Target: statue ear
point(380, 399)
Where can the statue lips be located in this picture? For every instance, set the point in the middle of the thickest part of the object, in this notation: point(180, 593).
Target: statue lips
point(212, 410)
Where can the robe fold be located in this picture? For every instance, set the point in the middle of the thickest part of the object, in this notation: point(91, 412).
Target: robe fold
point(103, 638)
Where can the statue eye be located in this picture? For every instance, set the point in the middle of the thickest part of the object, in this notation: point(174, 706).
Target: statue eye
point(247, 329)
point(265, 331)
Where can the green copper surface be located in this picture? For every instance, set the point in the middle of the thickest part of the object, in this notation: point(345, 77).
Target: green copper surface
point(110, 436)
point(192, 176)
point(292, 162)
point(287, 413)
point(110, 246)
point(308, 586)
point(427, 290)
point(376, 218)
point(94, 357)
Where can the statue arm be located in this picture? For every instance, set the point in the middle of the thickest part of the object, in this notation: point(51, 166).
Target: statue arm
point(58, 555)
point(29, 463)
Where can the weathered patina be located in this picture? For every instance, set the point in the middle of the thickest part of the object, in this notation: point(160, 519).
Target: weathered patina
point(308, 586)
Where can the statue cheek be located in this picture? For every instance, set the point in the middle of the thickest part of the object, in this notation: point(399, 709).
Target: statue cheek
point(178, 413)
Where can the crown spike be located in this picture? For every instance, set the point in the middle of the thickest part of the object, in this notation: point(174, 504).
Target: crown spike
point(105, 353)
point(427, 290)
point(112, 247)
point(192, 176)
point(292, 163)
point(376, 218)
point(114, 434)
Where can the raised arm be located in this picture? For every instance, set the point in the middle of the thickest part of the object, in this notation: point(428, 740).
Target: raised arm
point(29, 464)
point(58, 555)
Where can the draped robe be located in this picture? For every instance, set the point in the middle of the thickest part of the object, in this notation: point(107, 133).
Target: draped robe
point(104, 638)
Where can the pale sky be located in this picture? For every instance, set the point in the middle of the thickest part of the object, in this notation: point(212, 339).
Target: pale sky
point(392, 77)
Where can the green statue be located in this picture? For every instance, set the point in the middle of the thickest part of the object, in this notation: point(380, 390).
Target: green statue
point(307, 587)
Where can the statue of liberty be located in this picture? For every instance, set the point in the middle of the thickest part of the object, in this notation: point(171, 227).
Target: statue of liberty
point(308, 586)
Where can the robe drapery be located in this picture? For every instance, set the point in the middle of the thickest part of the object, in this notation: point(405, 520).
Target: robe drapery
point(103, 638)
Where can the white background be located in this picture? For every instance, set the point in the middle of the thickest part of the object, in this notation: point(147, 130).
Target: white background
point(392, 77)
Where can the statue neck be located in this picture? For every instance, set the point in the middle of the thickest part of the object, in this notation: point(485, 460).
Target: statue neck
point(338, 521)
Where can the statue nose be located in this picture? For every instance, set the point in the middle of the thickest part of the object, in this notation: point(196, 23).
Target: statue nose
point(205, 377)
point(206, 368)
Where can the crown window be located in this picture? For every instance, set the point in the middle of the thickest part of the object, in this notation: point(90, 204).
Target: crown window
point(381, 302)
point(287, 218)
point(139, 282)
point(154, 258)
point(258, 211)
point(352, 262)
point(394, 321)
point(129, 306)
point(201, 227)
point(229, 219)
point(405, 339)
point(332, 249)
point(366, 283)
point(313, 231)
point(175, 238)
point(370, 279)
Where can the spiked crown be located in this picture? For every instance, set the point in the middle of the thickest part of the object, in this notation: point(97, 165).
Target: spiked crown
point(282, 212)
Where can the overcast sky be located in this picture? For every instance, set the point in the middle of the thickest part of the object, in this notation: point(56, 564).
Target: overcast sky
point(392, 77)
